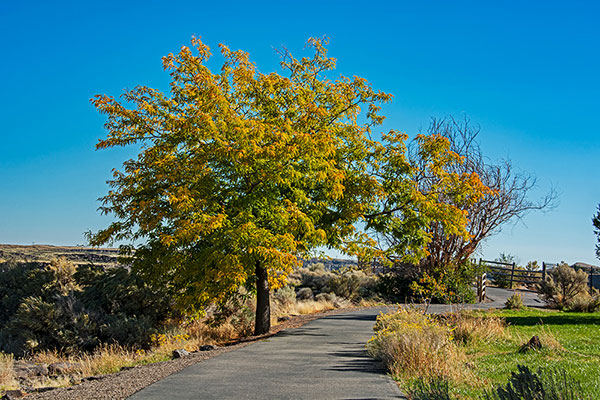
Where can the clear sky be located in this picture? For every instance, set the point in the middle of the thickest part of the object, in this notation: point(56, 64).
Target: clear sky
point(526, 72)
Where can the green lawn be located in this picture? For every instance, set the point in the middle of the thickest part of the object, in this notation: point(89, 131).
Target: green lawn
point(577, 351)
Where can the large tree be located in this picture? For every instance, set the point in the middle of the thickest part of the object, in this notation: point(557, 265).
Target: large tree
point(239, 172)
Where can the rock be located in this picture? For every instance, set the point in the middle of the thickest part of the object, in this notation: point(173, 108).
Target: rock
point(180, 353)
point(285, 318)
point(207, 347)
point(533, 344)
point(28, 370)
point(61, 368)
point(13, 394)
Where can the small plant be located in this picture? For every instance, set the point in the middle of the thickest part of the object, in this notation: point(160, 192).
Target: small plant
point(7, 375)
point(514, 302)
point(545, 384)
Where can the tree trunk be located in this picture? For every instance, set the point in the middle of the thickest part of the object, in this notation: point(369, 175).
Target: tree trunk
point(262, 323)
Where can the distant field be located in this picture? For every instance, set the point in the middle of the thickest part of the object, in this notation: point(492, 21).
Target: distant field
point(44, 253)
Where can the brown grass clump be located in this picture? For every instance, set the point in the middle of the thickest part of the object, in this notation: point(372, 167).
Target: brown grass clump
point(7, 375)
point(547, 339)
point(469, 327)
point(413, 345)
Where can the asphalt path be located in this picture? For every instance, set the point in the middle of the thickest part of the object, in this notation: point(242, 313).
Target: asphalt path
point(324, 359)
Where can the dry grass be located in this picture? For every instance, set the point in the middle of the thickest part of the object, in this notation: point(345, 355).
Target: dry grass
point(415, 345)
point(469, 327)
point(7, 375)
point(547, 338)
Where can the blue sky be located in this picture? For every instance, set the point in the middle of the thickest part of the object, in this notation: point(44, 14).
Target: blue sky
point(527, 73)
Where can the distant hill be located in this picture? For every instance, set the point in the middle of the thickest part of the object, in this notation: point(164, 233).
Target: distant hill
point(108, 257)
point(44, 253)
point(330, 263)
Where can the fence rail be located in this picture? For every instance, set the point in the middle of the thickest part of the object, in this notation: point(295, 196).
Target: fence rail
point(508, 272)
point(498, 271)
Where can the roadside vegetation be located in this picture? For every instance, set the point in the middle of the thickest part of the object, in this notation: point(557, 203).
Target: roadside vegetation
point(74, 322)
point(475, 352)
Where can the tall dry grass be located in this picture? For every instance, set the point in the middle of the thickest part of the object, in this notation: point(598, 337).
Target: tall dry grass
point(8, 380)
point(469, 327)
point(413, 345)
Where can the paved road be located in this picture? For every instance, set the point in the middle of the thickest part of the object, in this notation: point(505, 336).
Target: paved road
point(324, 359)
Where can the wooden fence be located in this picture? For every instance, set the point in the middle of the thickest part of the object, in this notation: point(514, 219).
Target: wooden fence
point(509, 274)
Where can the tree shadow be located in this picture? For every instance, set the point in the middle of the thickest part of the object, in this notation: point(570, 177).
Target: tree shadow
point(350, 317)
point(553, 319)
point(356, 361)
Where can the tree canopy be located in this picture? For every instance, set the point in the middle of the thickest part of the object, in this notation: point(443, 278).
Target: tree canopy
point(239, 172)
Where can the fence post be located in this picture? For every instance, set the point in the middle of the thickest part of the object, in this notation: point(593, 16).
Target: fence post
point(543, 271)
point(512, 275)
point(483, 279)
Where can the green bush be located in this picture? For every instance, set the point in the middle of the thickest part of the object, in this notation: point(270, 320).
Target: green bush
point(544, 384)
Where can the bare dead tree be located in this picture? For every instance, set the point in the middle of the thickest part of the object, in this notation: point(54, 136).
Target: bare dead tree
point(508, 202)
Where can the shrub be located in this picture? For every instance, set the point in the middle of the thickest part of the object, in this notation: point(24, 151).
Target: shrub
point(546, 384)
point(305, 293)
point(562, 285)
point(285, 296)
point(349, 282)
point(514, 302)
point(448, 284)
point(395, 286)
point(327, 297)
point(585, 302)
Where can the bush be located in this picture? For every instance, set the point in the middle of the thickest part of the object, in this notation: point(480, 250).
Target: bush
point(447, 284)
point(395, 286)
point(546, 384)
point(305, 294)
point(469, 327)
point(585, 302)
point(60, 307)
point(562, 285)
point(514, 302)
point(285, 296)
